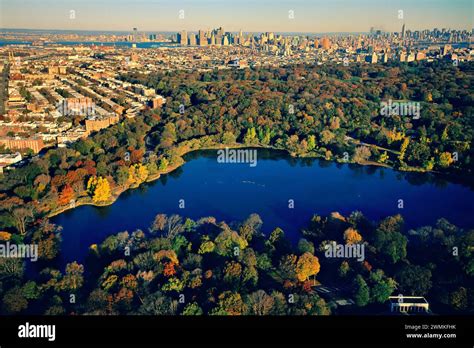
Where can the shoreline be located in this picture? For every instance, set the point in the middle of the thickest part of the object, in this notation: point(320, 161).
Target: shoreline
point(118, 191)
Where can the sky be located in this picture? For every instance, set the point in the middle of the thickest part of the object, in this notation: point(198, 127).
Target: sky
point(315, 16)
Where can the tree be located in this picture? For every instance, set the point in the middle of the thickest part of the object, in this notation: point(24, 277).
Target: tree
point(311, 142)
point(14, 301)
point(30, 290)
point(169, 269)
point(383, 157)
point(207, 247)
point(458, 299)
point(260, 303)
point(344, 268)
point(382, 288)
point(307, 266)
point(21, 217)
point(327, 136)
point(122, 176)
point(361, 291)
point(445, 159)
point(227, 241)
point(137, 174)
point(174, 226)
point(163, 164)
point(403, 148)
point(158, 304)
point(305, 246)
point(168, 137)
point(228, 138)
point(351, 236)
point(414, 280)
point(73, 279)
point(361, 154)
point(389, 240)
point(287, 267)
point(276, 235)
point(192, 309)
point(232, 273)
point(230, 303)
point(67, 194)
point(99, 188)
point(250, 227)
point(250, 137)
point(11, 268)
point(159, 223)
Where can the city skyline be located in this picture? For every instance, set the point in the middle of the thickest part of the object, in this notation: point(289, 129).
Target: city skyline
point(278, 16)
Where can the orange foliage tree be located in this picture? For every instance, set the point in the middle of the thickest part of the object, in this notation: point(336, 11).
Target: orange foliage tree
point(307, 266)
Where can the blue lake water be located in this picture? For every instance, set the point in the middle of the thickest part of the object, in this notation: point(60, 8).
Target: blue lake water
point(231, 192)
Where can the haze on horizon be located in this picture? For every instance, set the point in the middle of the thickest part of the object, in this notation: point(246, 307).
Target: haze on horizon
point(315, 16)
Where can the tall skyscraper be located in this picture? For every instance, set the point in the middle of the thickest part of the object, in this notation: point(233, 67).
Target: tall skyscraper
point(183, 39)
point(403, 31)
point(135, 34)
point(192, 39)
point(202, 38)
point(225, 41)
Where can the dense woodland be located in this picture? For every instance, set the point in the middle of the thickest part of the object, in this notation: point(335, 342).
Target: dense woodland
point(314, 111)
point(185, 267)
point(311, 110)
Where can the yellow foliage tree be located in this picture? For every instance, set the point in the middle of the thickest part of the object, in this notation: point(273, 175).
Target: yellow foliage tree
point(393, 135)
point(307, 266)
point(403, 148)
point(383, 157)
point(445, 159)
point(99, 188)
point(166, 254)
point(137, 173)
point(352, 236)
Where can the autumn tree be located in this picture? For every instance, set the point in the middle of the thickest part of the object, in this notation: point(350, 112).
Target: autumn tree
point(307, 266)
point(99, 189)
point(361, 154)
point(445, 159)
point(230, 303)
point(260, 303)
point(403, 148)
point(21, 217)
point(137, 174)
point(73, 279)
point(163, 164)
point(159, 223)
point(287, 266)
point(67, 194)
point(351, 236)
point(250, 137)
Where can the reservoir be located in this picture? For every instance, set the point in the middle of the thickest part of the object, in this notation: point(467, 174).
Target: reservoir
point(285, 192)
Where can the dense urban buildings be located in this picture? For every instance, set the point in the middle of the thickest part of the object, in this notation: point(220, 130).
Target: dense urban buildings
point(59, 92)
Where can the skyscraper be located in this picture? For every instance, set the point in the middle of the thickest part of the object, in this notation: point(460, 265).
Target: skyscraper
point(202, 38)
point(183, 39)
point(403, 31)
point(135, 34)
point(192, 39)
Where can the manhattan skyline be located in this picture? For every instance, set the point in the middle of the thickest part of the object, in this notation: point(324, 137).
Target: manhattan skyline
point(316, 16)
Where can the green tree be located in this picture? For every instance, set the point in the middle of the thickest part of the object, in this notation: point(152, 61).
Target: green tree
point(361, 291)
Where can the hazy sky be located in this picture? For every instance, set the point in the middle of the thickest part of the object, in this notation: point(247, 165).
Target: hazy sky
point(248, 15)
